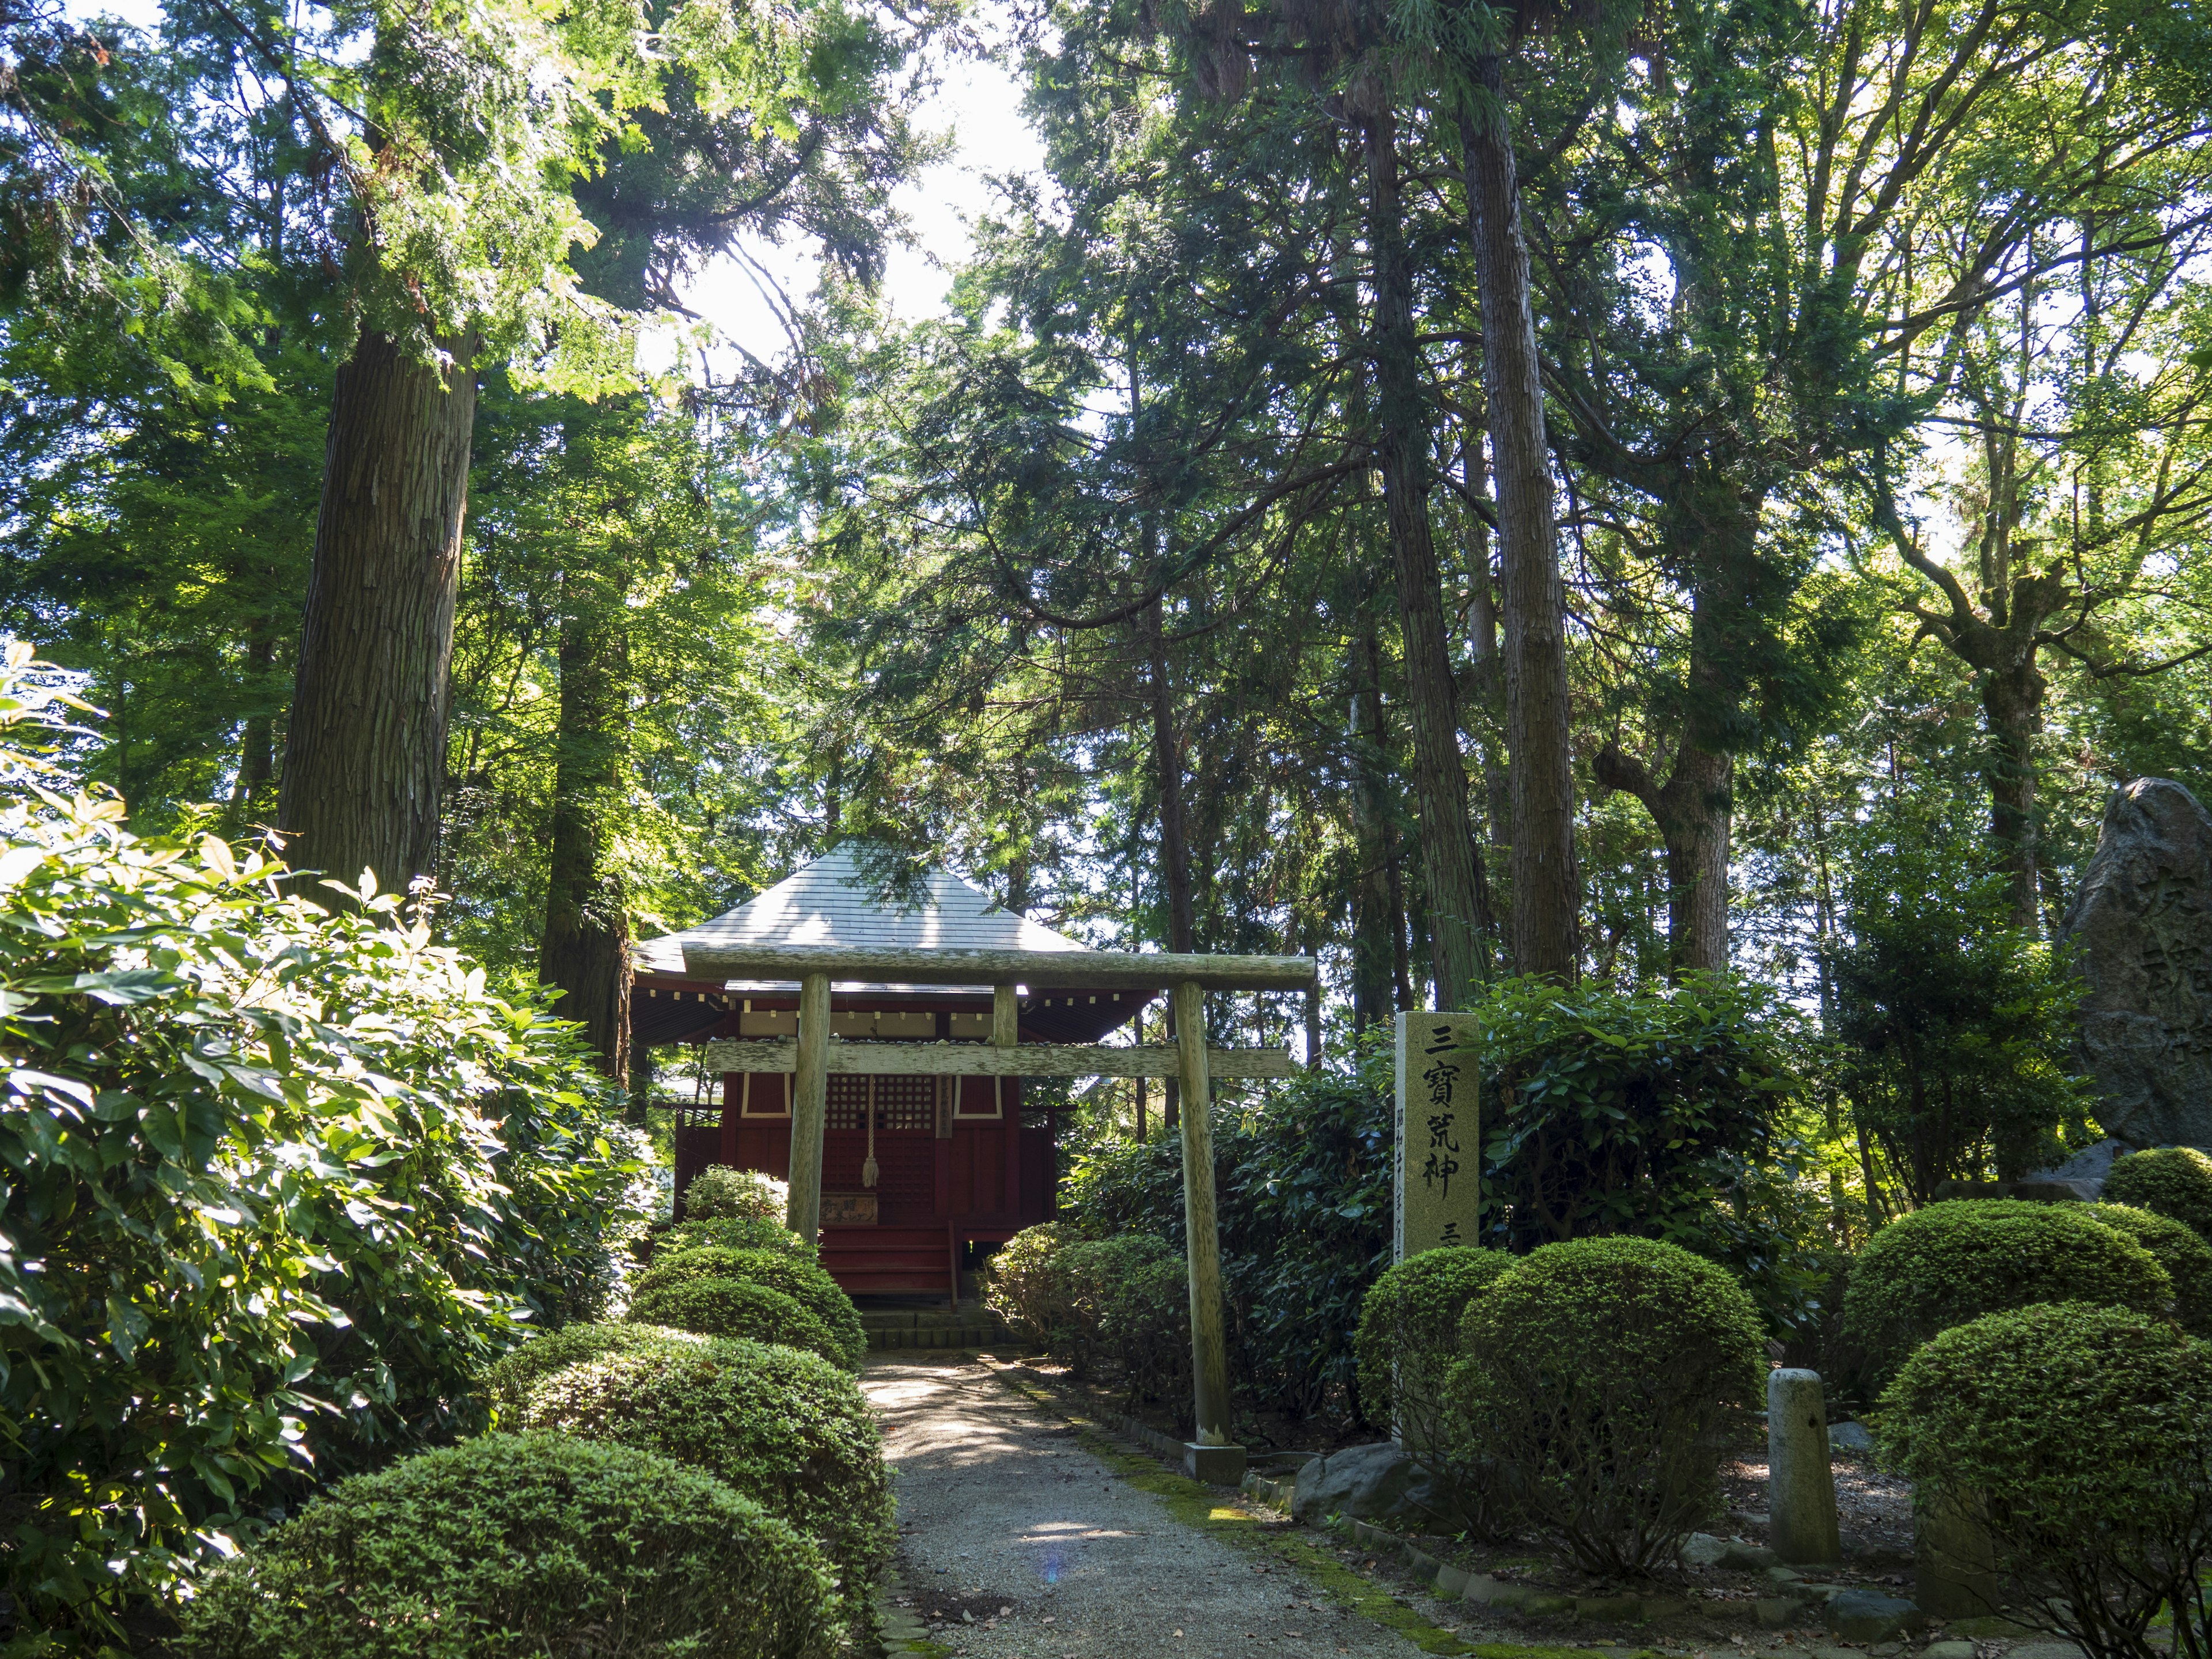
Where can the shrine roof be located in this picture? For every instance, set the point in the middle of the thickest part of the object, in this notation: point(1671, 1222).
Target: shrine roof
point(831, 902)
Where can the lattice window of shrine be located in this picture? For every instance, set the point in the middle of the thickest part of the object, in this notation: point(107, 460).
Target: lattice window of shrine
point(902, 1104)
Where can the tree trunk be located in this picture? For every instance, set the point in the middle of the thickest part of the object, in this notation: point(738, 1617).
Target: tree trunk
point(1431, 697)
point(1486, 671)
point(1373, 925)
point(257, 748)
point(1174, 842)
point(1694, 809)
point(1546, 883)
point(365, 749)
point(1167, 761)
point(2012, 704)
point(586, 950)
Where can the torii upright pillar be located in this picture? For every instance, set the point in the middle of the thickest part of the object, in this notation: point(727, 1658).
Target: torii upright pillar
point(1211, 1457)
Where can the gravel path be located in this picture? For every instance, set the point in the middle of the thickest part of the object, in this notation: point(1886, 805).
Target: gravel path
point(1005, 1517)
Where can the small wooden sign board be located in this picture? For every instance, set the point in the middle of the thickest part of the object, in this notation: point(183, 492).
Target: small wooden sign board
point(849, 1209)
point(1438, 1169)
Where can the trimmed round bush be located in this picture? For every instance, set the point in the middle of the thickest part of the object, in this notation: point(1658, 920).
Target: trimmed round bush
point(2177, 1248)
point(1020, 1285)
point(1950, 1262)
point(2087, 1435)
point(2172, 1181)
point(1603, 1379)
point(735, 1232)
point(739, 1310)
point(719, 1190)
point(786, 1429)
point(1408, 1343)
point(1408, 1333)
point(806, 1283)
point(573, 1344)
point(520, 1546)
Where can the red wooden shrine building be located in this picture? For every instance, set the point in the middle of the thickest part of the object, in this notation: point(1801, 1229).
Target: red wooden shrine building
point(959, 1161)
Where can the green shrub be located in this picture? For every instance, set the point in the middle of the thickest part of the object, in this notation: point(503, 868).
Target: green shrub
point(805, 1282)
point(275, 1182)
point(739, 1308)
point(1408, 1337)
point(1657, 1114)
point(507, 1382)
point(2172, 1181)
point(719, 1190)
point(786, 1429)
point(1957, 1260)
point(1603, 1379)
point(1020, 1284)
point(1954, 1023)
point(522, 1546)
point(735, 1232)
point(2177, 1248)
point(2087, 1435)
point(1127, 1298)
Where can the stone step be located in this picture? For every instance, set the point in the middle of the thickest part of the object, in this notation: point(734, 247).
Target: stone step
point(953, 1336)
point(926, 1319)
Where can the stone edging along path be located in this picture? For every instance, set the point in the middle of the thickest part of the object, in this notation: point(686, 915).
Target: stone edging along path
point(1209, 1511)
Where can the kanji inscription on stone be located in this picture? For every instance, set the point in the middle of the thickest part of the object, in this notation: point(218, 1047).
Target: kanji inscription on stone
point(1439, 1185)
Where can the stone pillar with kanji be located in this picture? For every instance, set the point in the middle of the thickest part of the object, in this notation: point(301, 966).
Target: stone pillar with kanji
point(1439, 1185)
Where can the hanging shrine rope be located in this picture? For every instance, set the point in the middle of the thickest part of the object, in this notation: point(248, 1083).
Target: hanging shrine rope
point(868, 1168)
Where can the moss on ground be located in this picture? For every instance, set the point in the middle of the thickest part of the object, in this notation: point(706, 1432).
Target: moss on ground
point(1201, 1508)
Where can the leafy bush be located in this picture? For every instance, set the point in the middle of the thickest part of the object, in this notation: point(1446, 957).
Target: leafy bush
point(2185, 1256)
point(1657, 1113)
point(1301, 1180)
point(279, 1184)
point(1954, 1262)
point(804, 1282)
point(1020, 1286)
point(1676, 1107)
point(735, 1232)
point(786, 1429)
point(1952, 1022)
point(718, 1191)
point(2172, 1181)
point(1145, 1321)
point(1603, 1379)
point(1409, 1339)
point(2087, 1434)
point(513, 1376)
point(1128, 1298)
point(521, 1545)
point(739, 1308)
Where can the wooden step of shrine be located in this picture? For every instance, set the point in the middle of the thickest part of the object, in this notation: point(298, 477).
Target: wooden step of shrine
point(872, 1259)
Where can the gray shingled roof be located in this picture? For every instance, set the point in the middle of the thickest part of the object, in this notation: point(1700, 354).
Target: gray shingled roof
point(830, 903)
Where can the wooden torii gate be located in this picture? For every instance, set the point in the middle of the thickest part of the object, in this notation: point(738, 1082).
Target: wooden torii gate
point(814, 1053)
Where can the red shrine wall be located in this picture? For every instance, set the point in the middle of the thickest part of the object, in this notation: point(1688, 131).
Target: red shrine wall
point(948, 1151)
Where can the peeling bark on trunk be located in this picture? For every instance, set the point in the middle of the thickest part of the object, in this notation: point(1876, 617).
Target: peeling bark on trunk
point(1431, 697)
point(585, 948)
point(1545, 929)
point(365, 751)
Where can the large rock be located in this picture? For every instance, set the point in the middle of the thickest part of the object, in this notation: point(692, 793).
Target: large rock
point(2142, 925)
point(1377, 1483)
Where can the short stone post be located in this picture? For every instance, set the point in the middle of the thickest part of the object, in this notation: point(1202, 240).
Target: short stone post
point(1954, 1559)
point(1801, 1487)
